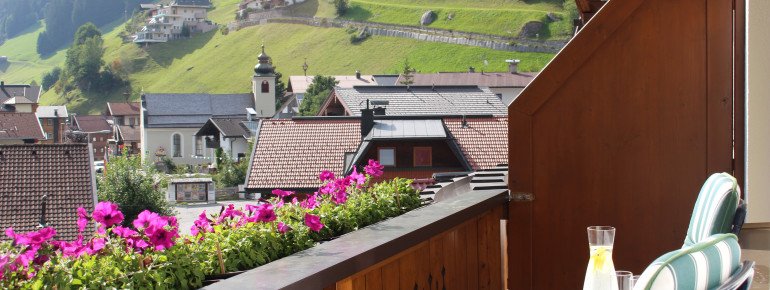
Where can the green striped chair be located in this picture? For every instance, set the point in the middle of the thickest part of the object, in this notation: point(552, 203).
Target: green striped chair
point(709, 264)
point(716, 208)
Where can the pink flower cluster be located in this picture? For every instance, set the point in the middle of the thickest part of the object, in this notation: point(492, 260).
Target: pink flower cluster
point(151, 231)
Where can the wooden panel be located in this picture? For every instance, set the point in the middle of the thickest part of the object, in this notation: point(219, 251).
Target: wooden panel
point(436, 260)
point(346, 284)
point(720, 68)
point(472, 254)
point(621, 128)
point(739, 93)
point(454, 259)
point(374, 279)
point(390, 276)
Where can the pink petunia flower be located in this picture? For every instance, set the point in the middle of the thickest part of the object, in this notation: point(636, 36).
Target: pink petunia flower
point(107, 214)
point(326, 175)
point(310, 202)
point(95, 245)
point(82, 219)
point(313, 222)
point(283, 228)
point(374, 168)
point(359, 178)
point(123, 232)
point(160, 238)
point(230, 212)
point(3, 262)
point(144, 219)
point(265, 213)
point(282, 193)
point(40, 236)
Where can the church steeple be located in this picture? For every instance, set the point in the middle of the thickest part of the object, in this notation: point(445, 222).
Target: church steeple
point(264, 68)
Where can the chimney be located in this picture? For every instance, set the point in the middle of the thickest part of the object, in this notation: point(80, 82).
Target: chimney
point(513, 65)
point(358, 74)
point(367, 120)
point(56, 124)
point(471, 69)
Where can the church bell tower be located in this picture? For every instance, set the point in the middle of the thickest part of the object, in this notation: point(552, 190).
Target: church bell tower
point(263, 86)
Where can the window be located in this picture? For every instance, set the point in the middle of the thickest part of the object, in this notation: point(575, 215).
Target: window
point(176, 148)
point(94, 139)
point(387, 156)
point(265, 87)
point(198, 146)
point(423, 156)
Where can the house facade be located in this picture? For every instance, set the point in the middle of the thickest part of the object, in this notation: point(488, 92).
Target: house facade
point(180, 19)
point(230, 134)
point(125, 127)
point(289, 153)
point(54, 120)
point(98, 131)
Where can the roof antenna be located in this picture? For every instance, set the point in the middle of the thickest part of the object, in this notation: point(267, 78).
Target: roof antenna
point(465, 122)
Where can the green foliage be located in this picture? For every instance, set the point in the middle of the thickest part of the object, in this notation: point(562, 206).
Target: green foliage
point(175, 268)
point(280, 88)
point(50, 78)
point(340, 6)
point(230, 173)
point(133, 187)
point(570, 7)
point(407, 73)
point(316, 94)
point(85, 32)
point(257, 244)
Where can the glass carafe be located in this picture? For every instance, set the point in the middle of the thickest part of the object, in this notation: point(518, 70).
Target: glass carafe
point(600, 274)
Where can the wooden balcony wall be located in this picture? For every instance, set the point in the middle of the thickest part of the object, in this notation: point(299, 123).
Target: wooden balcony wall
point(621, 128)
point(467, 256)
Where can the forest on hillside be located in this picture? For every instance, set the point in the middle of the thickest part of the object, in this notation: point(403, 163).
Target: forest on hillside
point(62, 18)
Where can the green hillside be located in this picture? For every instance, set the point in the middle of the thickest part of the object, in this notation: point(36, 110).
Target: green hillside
point(25, 64)
point(505, 18)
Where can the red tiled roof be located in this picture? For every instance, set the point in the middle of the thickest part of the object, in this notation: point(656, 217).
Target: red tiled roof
point(61, 171)
point(92, 123)
point(291, 153)
point(19, 126)
point(484, 143)
point(489, 79)
point(123, 109)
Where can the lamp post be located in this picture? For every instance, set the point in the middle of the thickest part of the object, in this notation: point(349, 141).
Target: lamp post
point(304, 67)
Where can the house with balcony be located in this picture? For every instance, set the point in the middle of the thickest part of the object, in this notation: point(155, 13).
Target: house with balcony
point(97, 130)
point(232, 135)
point(179, 19)
point(125, 127)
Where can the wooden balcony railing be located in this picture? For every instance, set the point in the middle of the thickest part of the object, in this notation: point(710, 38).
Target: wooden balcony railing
point(452, 244)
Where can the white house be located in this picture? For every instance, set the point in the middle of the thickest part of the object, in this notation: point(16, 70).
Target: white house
point(179, 19)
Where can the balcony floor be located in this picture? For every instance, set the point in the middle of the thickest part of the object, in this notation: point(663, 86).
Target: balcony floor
point(756, 247)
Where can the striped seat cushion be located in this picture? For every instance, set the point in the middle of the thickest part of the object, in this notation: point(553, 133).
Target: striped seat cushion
point(704, 265)
point(715, 208)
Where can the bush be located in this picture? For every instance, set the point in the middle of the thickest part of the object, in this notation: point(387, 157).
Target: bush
point(50, 78)
point(133, 187)
point(152, 254)
point(340, 6)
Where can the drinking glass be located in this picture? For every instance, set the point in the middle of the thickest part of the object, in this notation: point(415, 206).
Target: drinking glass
point(625, 280)
point(601, 270)
point(634, 279)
